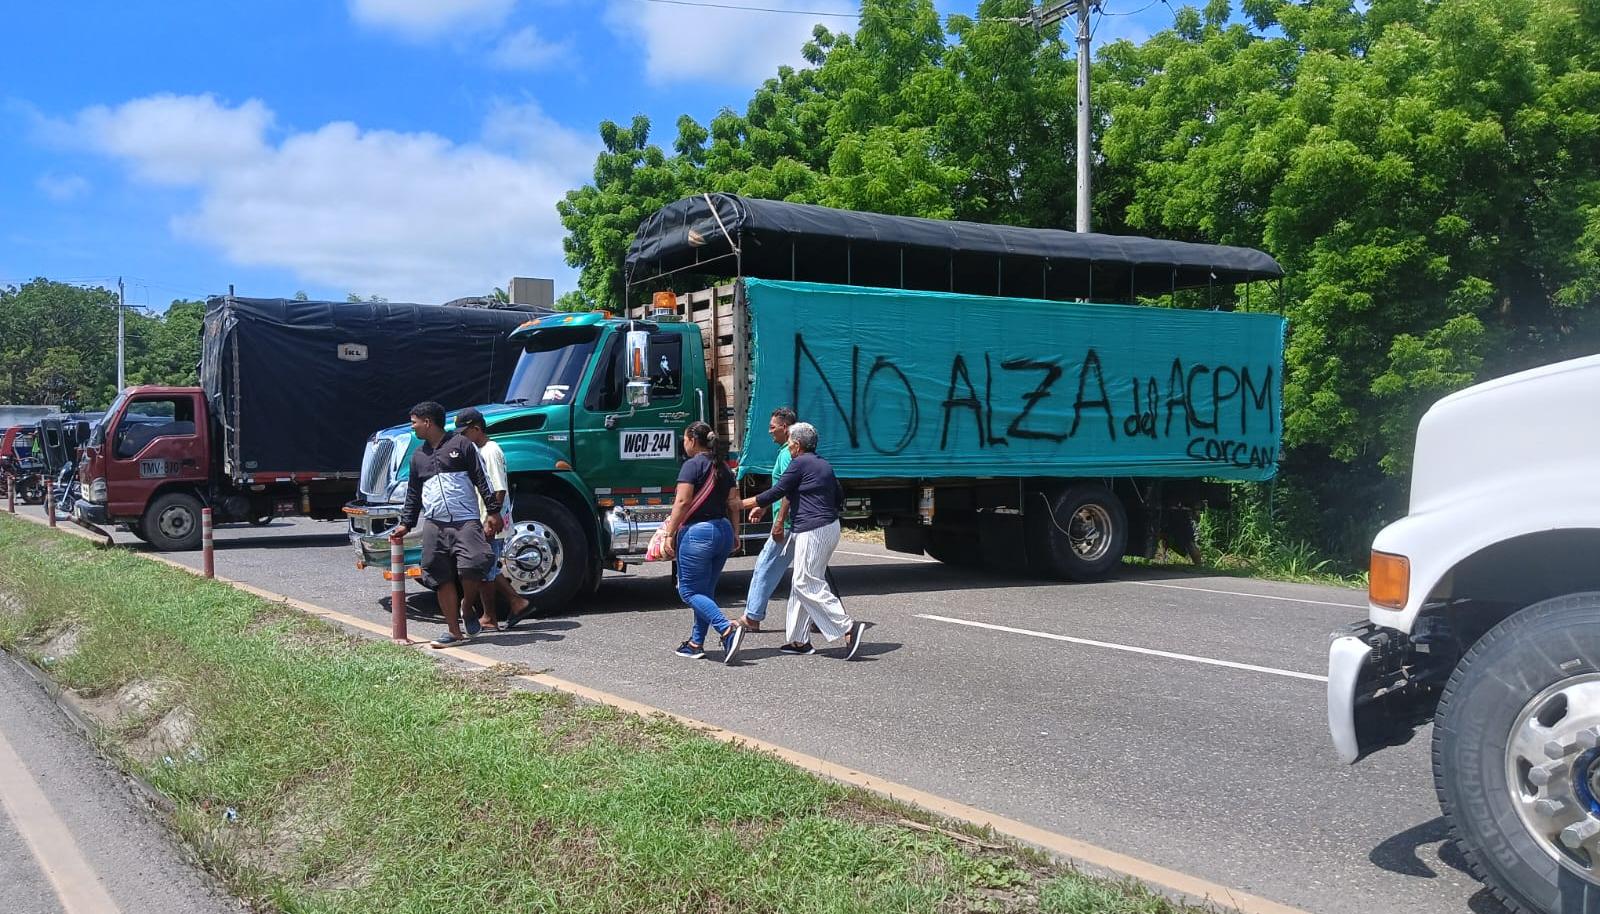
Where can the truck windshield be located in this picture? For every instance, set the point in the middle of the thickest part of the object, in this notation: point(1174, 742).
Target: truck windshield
point(551, 367)
point(98, 437)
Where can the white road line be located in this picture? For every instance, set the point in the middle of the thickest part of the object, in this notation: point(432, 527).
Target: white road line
point(897, 558)
point(74, 880)
point(1229, 593)
point(1129, 648)
point(1236, 593)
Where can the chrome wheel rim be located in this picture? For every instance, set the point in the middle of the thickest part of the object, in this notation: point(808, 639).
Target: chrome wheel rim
point(1089, 532)
point(1553, 772)
point(532, 558)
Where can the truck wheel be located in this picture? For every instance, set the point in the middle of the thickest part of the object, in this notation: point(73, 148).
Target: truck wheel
point(547, 556)
point(172, 522)
point(1516, 757)
point(1085, 531)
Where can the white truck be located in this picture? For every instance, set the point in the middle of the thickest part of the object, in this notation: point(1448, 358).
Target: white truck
point(1484, 606)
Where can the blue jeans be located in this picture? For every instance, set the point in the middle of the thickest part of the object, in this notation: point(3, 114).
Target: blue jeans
point(774, 561)
point(702, 551)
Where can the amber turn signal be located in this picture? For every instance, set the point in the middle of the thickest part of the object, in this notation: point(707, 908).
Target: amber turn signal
point(1389, 580)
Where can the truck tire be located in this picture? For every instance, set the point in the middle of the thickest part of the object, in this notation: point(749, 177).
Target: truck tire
point(1085, 531)
point(547, 555)
point(1516, 757)
point(172, 522)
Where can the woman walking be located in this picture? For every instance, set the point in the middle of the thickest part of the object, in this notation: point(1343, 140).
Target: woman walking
point(816, 499)
point(700, 533)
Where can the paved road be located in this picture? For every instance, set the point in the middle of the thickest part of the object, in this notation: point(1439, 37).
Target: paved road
point(1203, 749)
point(61, 803)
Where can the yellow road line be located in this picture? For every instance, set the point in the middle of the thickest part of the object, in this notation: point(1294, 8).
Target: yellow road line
point(76, 884)
point(1079, 852)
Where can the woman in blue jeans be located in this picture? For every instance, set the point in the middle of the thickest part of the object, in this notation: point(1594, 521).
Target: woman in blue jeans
point(701, 535)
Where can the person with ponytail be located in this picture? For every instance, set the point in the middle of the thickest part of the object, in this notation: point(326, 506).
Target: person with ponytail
point(701, 533)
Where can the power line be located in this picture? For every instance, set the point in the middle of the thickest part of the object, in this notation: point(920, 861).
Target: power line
point(707, 4)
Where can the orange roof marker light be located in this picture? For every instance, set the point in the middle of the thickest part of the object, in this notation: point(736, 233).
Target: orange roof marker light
point(664, 301)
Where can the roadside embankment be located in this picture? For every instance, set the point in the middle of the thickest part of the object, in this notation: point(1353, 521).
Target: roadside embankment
point(317, 771)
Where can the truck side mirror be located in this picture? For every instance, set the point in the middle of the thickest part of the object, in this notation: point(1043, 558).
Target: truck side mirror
point(638, 394)
point(638, 359)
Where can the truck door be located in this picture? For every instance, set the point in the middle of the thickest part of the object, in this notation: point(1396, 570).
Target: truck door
point(640, 448)
point(158, 438)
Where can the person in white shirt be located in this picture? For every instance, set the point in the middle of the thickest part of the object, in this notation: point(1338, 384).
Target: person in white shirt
point(471, 425)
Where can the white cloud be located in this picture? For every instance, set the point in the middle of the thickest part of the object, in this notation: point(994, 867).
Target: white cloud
point(526, 49)
point(174, 139)
point(420, 19)
point(686, 43)
point(410, 216)
point(62, 188)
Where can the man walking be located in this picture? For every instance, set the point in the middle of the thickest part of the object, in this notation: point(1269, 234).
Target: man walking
point(445, 471)
point(775, 557)
point(470, 423)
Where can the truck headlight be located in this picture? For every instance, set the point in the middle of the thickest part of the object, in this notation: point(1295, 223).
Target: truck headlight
point(97, 490)
point(1389, 580)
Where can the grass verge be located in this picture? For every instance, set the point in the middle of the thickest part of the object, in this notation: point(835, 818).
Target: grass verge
point(318, 772)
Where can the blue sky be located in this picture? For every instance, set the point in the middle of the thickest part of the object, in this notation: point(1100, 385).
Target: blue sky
point(407, 148)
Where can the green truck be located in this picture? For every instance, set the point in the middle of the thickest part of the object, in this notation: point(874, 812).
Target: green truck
point(972, 401)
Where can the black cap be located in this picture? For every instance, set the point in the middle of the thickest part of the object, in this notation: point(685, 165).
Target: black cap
point(470, 417)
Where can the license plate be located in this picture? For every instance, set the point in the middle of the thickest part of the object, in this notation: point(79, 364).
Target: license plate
point(648, 444)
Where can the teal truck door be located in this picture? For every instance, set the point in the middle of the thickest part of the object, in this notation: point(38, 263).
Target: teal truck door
point(621, 450)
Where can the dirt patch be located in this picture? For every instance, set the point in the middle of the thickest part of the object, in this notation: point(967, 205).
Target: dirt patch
point(862, 535)
point(172, 736)
point(11, 604)
point(61, 646)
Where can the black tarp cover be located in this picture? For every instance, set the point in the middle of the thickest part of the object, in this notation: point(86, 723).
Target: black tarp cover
point(298, 386)
point(818, 244)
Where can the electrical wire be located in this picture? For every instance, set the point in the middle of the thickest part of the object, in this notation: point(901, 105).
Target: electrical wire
point(708, 4)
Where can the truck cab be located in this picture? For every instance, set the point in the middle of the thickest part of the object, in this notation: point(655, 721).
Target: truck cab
point(593, 397)
point(1485, 619)
point(152, 447)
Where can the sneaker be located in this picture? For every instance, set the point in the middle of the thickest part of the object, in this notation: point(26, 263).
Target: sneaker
point(449, 640)
point(731, 642)
point(797, 649)
point(689, 651)
point(855, 639)
point(472, 625)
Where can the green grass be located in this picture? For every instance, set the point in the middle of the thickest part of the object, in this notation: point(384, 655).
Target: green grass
point(330, 774)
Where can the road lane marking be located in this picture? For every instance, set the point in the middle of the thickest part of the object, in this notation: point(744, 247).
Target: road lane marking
point(897, 558)
point(1079, 852)
point(1236, 593)
point(1151, 652)
point(1229, 593)
point(76, 884)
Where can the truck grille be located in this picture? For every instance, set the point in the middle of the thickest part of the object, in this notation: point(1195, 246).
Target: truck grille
point(375, 469)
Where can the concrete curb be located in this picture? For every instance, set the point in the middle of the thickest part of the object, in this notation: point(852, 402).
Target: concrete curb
point(1080, 854)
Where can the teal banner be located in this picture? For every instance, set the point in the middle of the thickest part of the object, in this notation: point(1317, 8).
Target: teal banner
point(928, 384)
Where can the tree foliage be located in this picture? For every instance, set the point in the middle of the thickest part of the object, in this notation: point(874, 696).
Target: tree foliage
point(1427, 171)
point(58, 345)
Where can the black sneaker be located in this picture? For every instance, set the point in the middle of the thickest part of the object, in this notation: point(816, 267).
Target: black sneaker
point(797, 649)
point(855, 640)
point(731, 642)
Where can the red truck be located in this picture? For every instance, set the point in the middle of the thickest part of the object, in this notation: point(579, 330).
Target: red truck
point(289, 391)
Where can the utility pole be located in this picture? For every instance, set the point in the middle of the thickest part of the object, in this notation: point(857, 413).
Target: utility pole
point(121, 379)
point(1050, 14)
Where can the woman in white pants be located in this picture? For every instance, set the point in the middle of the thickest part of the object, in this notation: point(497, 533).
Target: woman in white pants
point(815, 499)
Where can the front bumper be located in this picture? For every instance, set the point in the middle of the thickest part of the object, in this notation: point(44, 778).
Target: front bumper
point(90, 513)
point(1346, 655)
point(369, 533)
